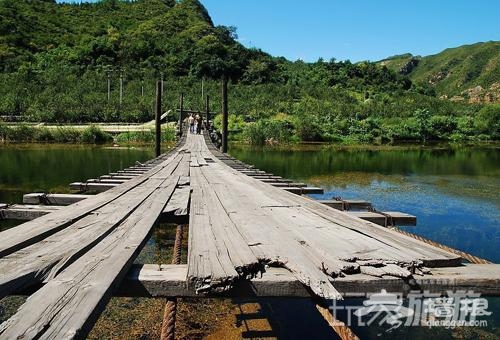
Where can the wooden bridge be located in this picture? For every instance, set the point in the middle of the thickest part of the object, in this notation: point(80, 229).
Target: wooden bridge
point(247, 237)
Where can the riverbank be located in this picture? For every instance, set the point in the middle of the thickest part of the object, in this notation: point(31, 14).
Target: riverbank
point(84, 134)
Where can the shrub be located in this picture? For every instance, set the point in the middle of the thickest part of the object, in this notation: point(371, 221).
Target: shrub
point(66, 135)
point(43, 134)
point(441, 127)
point(268, 131)
point(94, 135)
point(487, 121)
point(21, 133)
point(308, 128)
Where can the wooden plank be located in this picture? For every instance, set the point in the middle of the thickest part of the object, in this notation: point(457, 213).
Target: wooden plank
point(106, 180)
point(341, 204)
point(150, 281)
point(284, 185)
point(25, 212)
point(67, 306)
point(398, 218)
point(94, 187)
point(129, 174)
point(132, 172)
point(53, 199)
point(218, 255)
point(266, 179)
point(178, 205)
point(116, 177)
point(304, 191)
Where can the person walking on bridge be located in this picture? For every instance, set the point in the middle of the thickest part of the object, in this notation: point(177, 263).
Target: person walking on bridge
point(199, 121)
point(191, 123)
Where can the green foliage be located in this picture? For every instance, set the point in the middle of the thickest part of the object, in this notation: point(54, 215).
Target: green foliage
point(422, 117)
point(268, 131)
point(488, 121)
point(66, 135)
point(94, 135)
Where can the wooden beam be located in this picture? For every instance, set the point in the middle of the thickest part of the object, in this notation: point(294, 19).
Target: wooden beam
point(106, 180)
point(398, 218)
point(285, 184)
point(149, 281)
point(25, 212)
point(55, 199)
point(304, 191)
point(342, 204)
point(118, 177)
point(95, 187)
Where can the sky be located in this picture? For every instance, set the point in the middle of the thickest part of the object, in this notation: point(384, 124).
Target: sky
point(357, 29)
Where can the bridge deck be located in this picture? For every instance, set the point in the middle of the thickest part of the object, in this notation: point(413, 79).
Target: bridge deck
point(238, 225)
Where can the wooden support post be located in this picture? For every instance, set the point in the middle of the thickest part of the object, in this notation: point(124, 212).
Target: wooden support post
point(224, 115)
point(181, 113)
point(159, 89)
point(207, 108)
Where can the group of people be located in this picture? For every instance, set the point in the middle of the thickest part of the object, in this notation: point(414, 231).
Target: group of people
point(195, 123)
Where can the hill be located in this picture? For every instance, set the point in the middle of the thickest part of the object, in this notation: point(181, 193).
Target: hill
point(99, 62)
point(467, 73)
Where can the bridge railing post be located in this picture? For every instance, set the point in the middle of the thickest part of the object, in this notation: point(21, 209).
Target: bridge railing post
point(224, 115)
point(158, 118)
point(181, 113)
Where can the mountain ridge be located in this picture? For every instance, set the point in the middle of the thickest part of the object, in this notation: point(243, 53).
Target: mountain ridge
point(469, 73)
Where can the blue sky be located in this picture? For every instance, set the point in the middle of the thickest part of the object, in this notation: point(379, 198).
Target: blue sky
point(357, 29)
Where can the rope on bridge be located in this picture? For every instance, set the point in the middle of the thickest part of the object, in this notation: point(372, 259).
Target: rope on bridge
point(170, 312)
point(469, 257)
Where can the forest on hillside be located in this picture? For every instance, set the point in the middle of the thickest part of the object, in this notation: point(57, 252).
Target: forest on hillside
point(99, 62)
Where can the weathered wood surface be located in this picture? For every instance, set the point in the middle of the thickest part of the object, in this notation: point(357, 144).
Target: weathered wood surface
point(68, 305)
point(53, 199)
point(387, 218)
point(346, 204)
point(116, 177)
point(284, 184)
point(304, 190)
point(106, 180)
point(26, 212)
point(149, 281)
point(178, 205)
point(313, 241)
point(96, 187)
